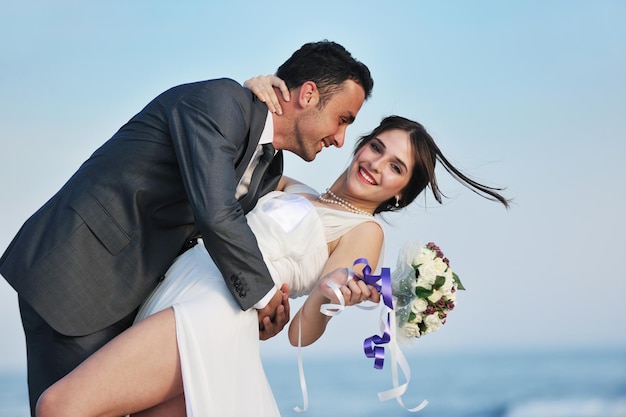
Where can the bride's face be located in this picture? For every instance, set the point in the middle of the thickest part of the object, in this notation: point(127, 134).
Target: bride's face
point(382, 168)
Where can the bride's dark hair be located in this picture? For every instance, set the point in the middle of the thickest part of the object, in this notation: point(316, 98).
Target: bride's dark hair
point(425, 153)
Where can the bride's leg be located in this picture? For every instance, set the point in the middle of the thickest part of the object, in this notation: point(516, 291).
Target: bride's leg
point(135, 371)
point(172, 408)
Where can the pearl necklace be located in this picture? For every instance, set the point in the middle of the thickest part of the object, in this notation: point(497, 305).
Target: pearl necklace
point(343, 203)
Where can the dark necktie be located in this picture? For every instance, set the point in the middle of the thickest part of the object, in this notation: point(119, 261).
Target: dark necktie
point(249, 200)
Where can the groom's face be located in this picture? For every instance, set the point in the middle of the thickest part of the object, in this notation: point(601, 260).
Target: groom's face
point(319, 127)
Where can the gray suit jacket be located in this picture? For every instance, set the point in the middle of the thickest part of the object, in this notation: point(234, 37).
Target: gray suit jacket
point(96, 249)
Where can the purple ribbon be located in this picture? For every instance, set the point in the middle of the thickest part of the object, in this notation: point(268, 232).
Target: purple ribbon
point(374, 346)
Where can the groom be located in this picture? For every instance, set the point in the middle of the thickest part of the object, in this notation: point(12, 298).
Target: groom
point(182, 167)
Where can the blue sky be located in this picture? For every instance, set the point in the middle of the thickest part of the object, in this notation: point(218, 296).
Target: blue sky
point(528, 95)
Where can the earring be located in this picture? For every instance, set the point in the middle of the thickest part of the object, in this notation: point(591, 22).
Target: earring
point(397, 202)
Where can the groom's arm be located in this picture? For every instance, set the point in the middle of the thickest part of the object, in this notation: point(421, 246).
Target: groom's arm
point(209, 126)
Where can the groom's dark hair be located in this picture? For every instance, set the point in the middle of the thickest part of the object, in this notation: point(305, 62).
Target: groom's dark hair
point(328, 65)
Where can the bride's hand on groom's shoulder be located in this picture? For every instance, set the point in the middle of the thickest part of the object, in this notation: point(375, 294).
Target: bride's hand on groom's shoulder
point(263, 87)
point(274, 317)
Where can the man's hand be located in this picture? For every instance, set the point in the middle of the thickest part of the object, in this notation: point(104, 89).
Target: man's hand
point(275, 315)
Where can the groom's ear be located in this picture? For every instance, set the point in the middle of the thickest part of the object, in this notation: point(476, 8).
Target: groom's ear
point(308, 95)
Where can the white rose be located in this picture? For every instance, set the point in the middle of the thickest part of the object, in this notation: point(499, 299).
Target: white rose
point(440, 266)
point(422, 282)
point(432, 322)
point(410, 330)
point(446, 288)
point(428, 273)
point(424, 257)
point(418, 306)
point(435, 296)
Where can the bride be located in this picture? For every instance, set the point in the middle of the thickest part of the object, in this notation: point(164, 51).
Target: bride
point(194, 352)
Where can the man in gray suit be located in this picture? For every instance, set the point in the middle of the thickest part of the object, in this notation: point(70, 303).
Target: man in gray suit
point(183, 167)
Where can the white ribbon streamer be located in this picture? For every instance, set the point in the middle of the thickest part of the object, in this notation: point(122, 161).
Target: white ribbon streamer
point(305, 395)
point(397, 359)
point(330, 310)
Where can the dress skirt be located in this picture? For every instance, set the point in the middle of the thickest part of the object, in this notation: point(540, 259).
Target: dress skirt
point(218, 342)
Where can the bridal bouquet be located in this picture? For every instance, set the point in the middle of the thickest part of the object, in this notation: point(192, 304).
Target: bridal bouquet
point(416, 298)
point(424, 288)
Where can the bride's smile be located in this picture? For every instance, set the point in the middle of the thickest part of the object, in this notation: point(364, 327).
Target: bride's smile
point(365, 175)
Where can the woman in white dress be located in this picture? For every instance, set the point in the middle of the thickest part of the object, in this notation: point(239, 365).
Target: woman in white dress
point(194, 352)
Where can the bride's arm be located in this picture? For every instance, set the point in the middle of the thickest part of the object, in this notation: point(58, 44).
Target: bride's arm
point(363, 241)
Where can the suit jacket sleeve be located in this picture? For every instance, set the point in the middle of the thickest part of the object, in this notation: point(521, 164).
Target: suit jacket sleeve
point(211, 126)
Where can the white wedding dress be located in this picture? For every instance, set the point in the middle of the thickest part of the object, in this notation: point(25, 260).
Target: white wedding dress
point(218, 342)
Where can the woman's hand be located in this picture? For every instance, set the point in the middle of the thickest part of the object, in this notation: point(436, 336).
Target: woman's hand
point(354, 291)
point(310, 322)
point(263, 87)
